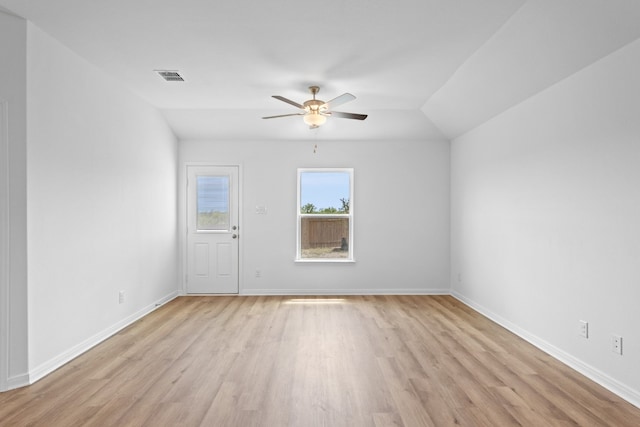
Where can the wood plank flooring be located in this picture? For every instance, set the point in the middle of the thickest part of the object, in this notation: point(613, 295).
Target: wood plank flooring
point(315, 361)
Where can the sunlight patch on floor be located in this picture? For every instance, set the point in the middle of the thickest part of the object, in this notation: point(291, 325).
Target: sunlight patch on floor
point(314, 301)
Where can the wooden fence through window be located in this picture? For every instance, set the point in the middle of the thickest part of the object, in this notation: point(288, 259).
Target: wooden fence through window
point(324, 232)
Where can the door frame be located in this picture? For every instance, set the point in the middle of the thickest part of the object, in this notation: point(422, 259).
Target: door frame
point(4, 246)
point(182, 221)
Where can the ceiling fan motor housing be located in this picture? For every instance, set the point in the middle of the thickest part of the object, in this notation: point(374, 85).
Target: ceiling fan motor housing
point(313, 105)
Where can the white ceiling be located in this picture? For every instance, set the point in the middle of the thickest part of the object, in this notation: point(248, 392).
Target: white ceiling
point(419, 68)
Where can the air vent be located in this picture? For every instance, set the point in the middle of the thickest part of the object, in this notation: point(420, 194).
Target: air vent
point(170, 76)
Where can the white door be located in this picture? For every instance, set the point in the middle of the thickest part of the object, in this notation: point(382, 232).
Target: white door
point(212, 229)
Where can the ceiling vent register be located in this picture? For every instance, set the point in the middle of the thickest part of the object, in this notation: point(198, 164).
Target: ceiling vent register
point(170, 76)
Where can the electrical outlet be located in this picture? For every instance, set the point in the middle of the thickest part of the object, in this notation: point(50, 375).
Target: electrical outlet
point(121, 297)
point(616, 344)
point(258, 274)
point(583, 328)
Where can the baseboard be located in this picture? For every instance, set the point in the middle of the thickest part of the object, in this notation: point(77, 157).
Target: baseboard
point(623, 391)
point(55, 363)
point(334, 292)
point(16, 382)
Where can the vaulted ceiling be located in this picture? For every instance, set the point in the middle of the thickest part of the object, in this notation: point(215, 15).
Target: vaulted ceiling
point(419, 68)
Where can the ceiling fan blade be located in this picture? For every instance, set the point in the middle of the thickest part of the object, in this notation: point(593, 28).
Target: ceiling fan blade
point(288, 101)
point(284, 115)
point(348, 115)
point(342, 99)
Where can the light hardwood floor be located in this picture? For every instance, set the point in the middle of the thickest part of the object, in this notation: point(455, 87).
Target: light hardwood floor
point(313, 361)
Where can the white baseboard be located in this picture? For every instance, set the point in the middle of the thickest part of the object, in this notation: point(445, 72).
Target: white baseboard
point(622, 390)
point(16, 382)
point(295, 292)
point(53, 364)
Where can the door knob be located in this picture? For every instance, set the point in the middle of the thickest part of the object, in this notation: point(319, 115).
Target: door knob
point(234, 227)
point(234, 236)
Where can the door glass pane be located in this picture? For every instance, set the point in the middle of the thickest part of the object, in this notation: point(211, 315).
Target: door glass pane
point(213, 202)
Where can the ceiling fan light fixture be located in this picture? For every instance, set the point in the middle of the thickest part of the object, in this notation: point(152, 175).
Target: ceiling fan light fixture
point(315, 111)
point(314, 119)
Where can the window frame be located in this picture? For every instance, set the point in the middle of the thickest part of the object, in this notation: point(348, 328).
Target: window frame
point(299, 217)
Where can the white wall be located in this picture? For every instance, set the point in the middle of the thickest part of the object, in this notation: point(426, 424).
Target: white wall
point(101, 204)
point(401, 222)
point(13, 207)
point(546, 219)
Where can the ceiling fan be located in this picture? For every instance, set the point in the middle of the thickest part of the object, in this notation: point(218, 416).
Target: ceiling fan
point(315, 111)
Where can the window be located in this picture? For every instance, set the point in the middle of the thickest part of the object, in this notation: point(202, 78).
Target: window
point(325, 215)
